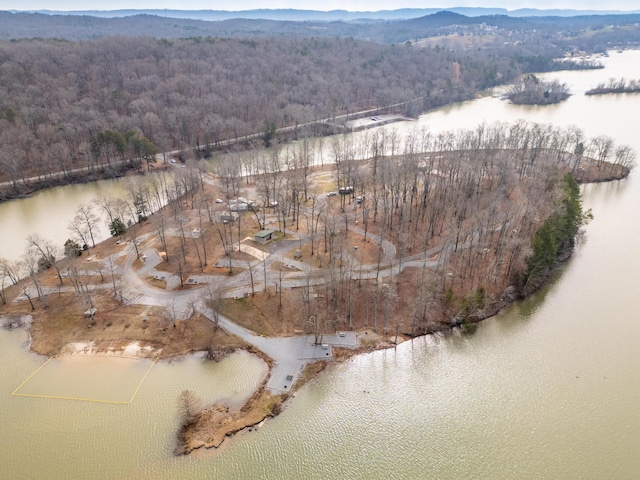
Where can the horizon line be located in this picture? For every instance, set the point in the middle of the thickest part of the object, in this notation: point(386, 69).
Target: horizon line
point(39, 10)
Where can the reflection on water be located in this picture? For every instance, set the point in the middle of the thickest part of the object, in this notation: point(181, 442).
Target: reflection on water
point(48, 213)
point(527, 307)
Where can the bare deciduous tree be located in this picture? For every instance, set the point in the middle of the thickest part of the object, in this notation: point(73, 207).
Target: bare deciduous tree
point(189, 405)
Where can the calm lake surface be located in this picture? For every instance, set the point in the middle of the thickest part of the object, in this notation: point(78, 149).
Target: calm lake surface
point(548, 389)
point(48, 213)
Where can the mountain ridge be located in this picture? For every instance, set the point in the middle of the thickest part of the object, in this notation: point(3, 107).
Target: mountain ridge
point(330, 15)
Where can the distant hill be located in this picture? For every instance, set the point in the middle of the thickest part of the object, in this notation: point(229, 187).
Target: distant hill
point(329, 16)
point(497, 28)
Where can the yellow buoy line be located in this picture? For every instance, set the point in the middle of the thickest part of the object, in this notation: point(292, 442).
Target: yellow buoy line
point(93, 400)
point(142, 380)
point(31, 376)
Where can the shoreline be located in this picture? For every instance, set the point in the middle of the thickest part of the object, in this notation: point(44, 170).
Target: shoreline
point(30, 186)
point(218, 421)
point(188, 440)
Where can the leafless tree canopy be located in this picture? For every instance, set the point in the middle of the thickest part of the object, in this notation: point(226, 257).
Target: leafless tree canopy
point(104, 103)
point(189, 405)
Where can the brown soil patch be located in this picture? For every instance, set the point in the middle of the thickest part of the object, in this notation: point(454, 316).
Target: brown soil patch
point(353, 244)
point(214, 424)
point(115, 326)
point(311, 370)
point(263, 314)
point(339, 304)
point(189, 255)
point(411, 303)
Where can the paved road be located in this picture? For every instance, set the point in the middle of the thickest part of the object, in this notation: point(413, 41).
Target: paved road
point(164, 157)
point(290, 354)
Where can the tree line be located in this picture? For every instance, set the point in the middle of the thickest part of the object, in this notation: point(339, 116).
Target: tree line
point(556, 237)
point(70, 105)
point(614, 85)
point(493, 205)
point(530, 90)
point(578, 30)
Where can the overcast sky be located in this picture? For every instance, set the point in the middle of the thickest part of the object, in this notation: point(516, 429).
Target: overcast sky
point(352, 5)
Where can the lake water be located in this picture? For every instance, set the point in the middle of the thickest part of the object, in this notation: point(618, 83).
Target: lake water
point(48, 213)
point(550, 388)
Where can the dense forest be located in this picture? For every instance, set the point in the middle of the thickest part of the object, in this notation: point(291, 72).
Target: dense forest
point(65, 105)
point(98, 104)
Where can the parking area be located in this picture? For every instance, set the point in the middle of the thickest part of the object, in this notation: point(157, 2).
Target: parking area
point(295, 353)
point(300, 351)
point(340, 339)
point(316, 352)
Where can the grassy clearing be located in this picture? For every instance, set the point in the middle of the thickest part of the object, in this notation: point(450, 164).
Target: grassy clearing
point(115, 326)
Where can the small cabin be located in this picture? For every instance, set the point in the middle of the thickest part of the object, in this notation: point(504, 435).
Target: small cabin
point(263, 236)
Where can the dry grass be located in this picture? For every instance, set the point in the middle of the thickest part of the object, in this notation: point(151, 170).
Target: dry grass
point(267, 313)
point(355, 247)
point(156, 282)
point(325, 181)
point(192, 255)
point(115, 326)
point(263, 315)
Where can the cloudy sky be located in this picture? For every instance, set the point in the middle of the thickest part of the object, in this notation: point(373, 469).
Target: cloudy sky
point(352, 5)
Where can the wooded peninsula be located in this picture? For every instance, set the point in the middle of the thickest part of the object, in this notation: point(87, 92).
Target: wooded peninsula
point(219, 245)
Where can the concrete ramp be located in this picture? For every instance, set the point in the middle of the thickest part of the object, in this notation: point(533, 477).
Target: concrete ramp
point(253, 251)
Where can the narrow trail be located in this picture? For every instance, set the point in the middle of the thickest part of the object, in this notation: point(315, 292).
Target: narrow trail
point(290, 354)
